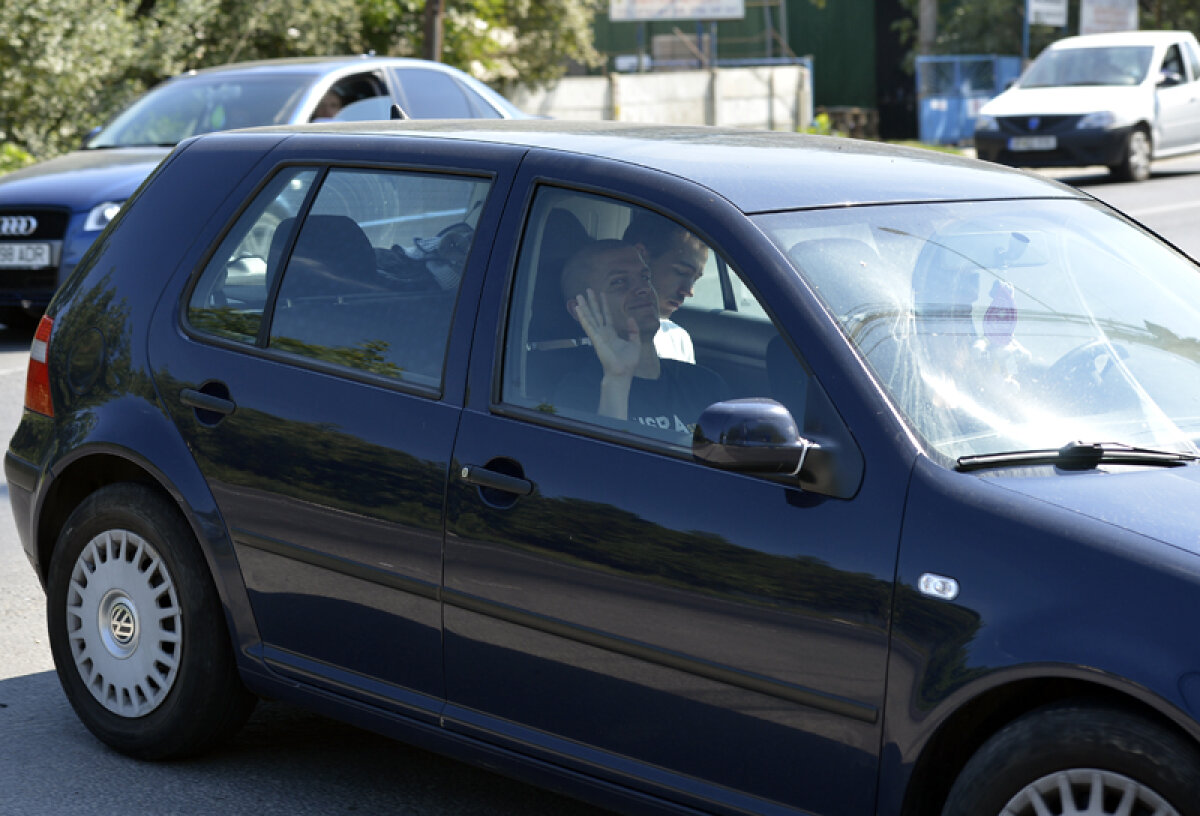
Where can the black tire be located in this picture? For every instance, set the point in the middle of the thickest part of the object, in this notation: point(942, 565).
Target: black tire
point(137, 629)
point(1088, 749)
point(1135, 165)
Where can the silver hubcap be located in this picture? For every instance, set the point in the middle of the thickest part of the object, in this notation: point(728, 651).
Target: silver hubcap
point(1139, 154)
point(1087, 792)
point(124, 623)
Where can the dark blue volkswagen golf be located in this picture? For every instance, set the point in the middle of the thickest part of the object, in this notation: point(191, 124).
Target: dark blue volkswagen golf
point(688, 470)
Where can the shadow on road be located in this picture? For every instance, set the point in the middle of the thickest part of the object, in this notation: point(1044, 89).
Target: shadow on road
point(17, 336)
point(1085, 179)
point(285, 761)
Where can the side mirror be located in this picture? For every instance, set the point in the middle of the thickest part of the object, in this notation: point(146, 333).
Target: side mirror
point(1169, 79)
point(760, 436)
point(751, 436)
point(87, 137)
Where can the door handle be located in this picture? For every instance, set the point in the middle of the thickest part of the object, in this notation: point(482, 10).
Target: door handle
point(206, 402)
point(482, 477)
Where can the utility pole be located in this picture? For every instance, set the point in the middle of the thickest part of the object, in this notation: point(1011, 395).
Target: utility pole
point(435, 11)
point(927, 14)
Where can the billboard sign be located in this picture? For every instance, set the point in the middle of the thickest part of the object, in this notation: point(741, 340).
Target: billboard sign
point(645, 10)
point(1047, 12)
point(1103, 16)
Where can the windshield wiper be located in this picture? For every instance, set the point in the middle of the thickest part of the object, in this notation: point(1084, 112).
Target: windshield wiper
point(1078, 456)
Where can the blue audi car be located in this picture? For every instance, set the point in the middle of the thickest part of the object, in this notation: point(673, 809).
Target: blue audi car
point(51, 212)
point(687, 470)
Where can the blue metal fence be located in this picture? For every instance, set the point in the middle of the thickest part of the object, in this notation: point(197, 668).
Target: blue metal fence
point(951, 90)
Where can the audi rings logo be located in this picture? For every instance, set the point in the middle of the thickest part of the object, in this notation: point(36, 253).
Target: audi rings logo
point(17, 226)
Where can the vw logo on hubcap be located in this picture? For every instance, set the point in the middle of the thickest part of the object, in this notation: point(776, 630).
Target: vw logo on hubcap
point(122, 624)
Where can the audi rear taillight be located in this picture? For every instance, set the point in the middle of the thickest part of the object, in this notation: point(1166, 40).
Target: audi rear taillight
point(37, 380)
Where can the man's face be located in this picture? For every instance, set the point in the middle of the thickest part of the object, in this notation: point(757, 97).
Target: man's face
point(328, 107)
point(622, 279)
point(674, 273)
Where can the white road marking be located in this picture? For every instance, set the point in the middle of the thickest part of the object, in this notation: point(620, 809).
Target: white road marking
point(1182, 205)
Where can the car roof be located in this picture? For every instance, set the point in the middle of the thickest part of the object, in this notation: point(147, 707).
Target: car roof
point(1154, 38)
point(317, 65)
point(758, 171)
point(316, 68)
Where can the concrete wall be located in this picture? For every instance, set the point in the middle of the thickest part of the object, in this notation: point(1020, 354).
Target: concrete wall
point(768, 97)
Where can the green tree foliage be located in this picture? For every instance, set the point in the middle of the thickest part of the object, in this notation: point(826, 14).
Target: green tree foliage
point(68, 65)
point(1180, 15)
point(62, 63)
point(193, 33)
point(13, 157)
point(499, 41)
point(543, 36)
point(394, 26)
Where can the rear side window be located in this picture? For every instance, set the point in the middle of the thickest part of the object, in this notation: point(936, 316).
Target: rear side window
point(364, 279)
point(1193, 60)
point(435, 95)
point(718, 288)
point(231, 296)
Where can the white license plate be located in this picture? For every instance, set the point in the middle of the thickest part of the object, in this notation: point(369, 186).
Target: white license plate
point(24, 255)
point(1032, 143)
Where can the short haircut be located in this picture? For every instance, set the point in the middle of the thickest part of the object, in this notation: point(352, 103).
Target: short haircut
point(580, 265)
point(659, 234)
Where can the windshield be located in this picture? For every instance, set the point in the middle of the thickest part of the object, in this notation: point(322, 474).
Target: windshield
point(189, 105)
point(1112, 65)
point(1012, 325)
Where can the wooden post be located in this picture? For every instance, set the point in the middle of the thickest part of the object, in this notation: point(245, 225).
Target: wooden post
point(435, 11)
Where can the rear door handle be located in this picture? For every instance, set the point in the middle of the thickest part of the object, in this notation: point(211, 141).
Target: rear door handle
point(206, 402)
point(482, 477)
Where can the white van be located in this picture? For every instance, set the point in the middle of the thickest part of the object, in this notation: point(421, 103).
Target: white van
point(1120, 100)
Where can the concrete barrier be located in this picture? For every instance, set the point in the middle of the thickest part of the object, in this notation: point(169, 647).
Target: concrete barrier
point(767, 97)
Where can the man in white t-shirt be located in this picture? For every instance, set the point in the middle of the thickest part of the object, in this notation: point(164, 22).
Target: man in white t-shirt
point(675, 257)
point(673, 342)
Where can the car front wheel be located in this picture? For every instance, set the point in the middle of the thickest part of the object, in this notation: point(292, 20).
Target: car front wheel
point(1080, 760)
point(137, 630)
point(1136, 164)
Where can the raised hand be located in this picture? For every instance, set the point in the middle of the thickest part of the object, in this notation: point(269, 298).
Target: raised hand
point(618, 354)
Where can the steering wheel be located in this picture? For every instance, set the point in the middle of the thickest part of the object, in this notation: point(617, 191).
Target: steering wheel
point(1087, 377)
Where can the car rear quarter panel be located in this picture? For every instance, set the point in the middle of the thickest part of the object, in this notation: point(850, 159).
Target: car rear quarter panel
point(1052, 604)
point(111, 425)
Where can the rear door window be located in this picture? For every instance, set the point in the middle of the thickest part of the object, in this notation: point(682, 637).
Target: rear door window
point(1193, 60)
point(436, 95)
point(365, 279)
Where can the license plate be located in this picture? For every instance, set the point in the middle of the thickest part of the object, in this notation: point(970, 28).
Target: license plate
point(1032, 143)
point(21, 256)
